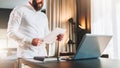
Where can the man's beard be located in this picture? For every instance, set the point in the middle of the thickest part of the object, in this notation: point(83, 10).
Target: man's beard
point(35, 5)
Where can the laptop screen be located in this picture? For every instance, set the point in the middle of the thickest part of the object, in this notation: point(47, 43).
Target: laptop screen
point(92, 46)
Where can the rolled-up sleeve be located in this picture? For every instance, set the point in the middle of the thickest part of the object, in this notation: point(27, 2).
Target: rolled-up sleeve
point(13, 27)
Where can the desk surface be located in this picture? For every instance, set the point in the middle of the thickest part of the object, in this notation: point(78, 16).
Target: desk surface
point(91, 63)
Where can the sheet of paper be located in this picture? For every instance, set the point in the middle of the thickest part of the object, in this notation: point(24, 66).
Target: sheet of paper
point(52, 36)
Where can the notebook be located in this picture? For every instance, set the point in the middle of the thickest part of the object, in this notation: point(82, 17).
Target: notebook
point(92, 46)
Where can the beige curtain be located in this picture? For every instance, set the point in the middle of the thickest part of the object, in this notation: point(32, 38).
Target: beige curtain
point(58, 12)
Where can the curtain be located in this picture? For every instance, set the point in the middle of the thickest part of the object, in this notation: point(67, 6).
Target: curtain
point(105, 16)
point(58, 12)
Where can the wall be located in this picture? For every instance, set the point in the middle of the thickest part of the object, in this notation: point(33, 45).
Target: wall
point(4, 15)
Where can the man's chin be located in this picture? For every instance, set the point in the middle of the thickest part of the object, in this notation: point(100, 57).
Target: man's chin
point(39, 9)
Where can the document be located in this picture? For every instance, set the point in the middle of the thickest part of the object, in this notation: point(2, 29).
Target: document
point(52, 36)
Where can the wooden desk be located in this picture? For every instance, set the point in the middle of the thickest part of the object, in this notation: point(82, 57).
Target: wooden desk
point(91, 63)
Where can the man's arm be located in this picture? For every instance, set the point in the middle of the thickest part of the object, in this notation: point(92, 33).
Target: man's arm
point(13, 26)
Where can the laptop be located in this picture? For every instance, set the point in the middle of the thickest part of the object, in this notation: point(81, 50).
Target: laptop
point(92, 46)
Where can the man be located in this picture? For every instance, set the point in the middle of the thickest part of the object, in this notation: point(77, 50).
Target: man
point(28, 26)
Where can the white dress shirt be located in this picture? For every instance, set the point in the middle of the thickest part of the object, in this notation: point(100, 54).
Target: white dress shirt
point(25, 24)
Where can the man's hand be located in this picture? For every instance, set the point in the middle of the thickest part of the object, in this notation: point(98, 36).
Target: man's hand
point(37, 41)
point(60, 37)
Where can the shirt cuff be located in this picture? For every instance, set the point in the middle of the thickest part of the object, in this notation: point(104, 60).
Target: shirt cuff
point(27, 40)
